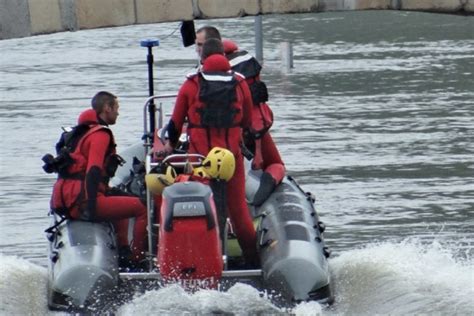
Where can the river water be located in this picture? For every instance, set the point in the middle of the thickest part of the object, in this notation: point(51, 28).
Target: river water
point(376, 119)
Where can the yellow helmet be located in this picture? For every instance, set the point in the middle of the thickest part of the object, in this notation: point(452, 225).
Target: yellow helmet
point(200, 172)
point(219, 164)
point(156, 182)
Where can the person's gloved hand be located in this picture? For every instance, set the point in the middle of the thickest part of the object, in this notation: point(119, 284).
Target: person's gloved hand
point(267, 185)
point(88, 206)
point(167, 150)
point(115, 191)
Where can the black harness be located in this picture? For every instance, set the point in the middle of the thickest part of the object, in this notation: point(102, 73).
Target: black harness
point(217, 93)
point(249, 67)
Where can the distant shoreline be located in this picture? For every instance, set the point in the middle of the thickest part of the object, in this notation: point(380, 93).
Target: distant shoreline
point(23, 18)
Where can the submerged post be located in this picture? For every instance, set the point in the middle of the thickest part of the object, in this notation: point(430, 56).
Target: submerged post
point(150, 43)
point(258, 39)
point(286, 56)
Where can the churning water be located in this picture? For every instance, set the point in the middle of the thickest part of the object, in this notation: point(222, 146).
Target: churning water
point(376, 119)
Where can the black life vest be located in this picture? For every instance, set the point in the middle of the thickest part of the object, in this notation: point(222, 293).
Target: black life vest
point(249, 67)
point(217, 91)
point(65, 146)
point(67, 152)
point(244, 63)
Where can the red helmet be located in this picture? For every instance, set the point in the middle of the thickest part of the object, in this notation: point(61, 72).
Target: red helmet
point(87, 117)
point(229, 46)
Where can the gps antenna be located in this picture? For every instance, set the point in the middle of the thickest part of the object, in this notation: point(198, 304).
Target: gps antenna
point(150, 43)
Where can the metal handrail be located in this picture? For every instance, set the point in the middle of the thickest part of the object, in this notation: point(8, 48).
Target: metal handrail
point(146, 119)
point(148, 143)
point(185, 160)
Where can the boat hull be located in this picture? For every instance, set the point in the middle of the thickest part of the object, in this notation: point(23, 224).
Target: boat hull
point(292, 250)
point(83, 265)
point(293, 256)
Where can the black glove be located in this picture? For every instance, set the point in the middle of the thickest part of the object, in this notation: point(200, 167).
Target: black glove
point(114, 191)
point(89, 206)
point(125, 257)
point(267, 185)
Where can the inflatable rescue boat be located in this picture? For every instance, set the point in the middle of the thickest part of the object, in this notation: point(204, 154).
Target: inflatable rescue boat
point(190, 242)
point(185, 245)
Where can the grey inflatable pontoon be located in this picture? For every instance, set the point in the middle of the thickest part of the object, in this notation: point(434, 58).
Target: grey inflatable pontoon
point(291, 246)
point(83, 265)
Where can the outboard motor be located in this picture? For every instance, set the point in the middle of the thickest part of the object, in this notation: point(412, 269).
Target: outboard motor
point(189, 248)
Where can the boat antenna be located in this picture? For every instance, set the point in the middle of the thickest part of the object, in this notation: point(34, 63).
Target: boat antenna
point(150, 43)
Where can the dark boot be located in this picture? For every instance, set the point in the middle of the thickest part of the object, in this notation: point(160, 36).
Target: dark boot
point(125, 258)
point(267, 186)
point(252, 260)
point(219, 191)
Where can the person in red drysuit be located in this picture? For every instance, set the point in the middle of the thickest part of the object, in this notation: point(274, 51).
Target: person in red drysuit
point(84, 192)
point(257, 138)
point(218, 105)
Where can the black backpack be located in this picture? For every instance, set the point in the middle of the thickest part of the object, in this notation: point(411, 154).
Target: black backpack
point(64, 147)
point(218, 97)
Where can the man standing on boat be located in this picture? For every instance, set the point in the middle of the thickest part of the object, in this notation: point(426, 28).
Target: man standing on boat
point(257, 138)
point(204, 33)
point(217, 105)
point(82, 192)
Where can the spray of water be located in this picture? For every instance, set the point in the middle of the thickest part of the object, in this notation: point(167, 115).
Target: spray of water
point(23, 287)
point(395, 278)
point(403, 278)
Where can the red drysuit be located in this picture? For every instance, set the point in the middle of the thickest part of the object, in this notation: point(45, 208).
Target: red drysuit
point(83, 192)
point(257, 138)
point(208, 129)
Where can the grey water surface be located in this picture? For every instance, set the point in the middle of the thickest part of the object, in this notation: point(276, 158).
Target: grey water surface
point(376, 119)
